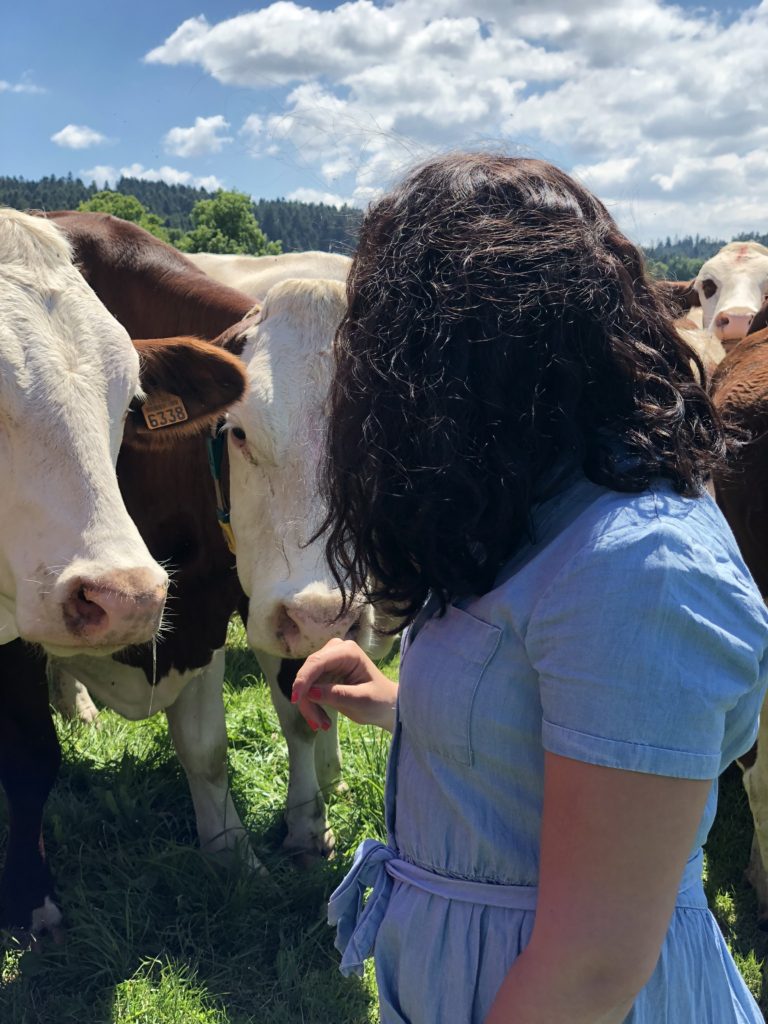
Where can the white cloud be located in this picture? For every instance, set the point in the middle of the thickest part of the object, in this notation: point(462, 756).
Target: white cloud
point(315, 195)
point(23, 86)
point(656, 107)
point(203, 137)
point(108, 175)
point(78, 136)
point(252, 134)
point(101, 174)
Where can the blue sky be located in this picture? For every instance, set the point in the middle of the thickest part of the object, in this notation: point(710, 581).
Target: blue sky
point(654, 105)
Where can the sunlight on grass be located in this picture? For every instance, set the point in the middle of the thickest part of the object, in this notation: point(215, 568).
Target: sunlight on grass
point(163, 992)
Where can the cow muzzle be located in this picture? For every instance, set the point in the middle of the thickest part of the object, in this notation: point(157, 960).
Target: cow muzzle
point(118, 608)
point(90, 609)
point(732, 324)
point(304, 626)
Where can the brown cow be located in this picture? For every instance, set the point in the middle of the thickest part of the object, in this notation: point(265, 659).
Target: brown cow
point(740, 391)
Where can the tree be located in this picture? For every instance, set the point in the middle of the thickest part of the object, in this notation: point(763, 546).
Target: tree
point(127, 208)
point(226, 224)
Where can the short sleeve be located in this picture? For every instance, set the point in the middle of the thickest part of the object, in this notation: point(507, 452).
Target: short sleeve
point(649, 648)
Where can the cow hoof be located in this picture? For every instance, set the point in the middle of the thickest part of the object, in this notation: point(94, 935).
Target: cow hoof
point(46, 920)
point(236, 853)
point(46, 923)
point(308, 854)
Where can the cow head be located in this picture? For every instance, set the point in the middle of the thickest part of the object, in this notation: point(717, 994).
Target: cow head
point(732, 287)
point(276, 437)
point(74, 573)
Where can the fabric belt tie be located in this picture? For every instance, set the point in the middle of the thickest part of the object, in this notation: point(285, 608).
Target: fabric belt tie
point(377, 867)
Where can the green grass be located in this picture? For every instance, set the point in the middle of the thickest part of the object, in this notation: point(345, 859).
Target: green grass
point(159, 934)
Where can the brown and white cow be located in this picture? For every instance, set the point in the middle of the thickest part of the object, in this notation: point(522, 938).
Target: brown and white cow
point(255, 275)
point(740, 391)
point(170, 494)
point(732, 286)
point(75, 575)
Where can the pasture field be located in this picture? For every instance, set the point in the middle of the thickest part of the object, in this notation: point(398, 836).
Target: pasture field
point(159, 934)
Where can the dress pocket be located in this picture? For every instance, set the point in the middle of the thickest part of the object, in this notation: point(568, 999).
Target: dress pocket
point(440, 674)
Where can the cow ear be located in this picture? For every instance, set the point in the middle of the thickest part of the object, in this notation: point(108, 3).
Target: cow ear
point(681, 295)
point(188, 385)
point(235, 337)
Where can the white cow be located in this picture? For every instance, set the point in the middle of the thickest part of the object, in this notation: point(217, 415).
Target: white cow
point(255, 275)
point(74, 572)
point(275, 445)
point(732, 286)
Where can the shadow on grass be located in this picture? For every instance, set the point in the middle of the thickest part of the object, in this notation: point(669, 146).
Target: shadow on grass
point(730, 897)
point(151, 920)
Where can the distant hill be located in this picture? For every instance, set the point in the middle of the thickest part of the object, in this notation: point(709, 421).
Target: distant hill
point(299, 226)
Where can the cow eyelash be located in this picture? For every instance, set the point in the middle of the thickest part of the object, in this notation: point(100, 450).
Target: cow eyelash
point(240, 441)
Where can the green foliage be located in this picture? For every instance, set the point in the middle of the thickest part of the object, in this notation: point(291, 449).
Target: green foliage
point(303, 226)
point(226, 224)
point(127, 208)
point(49, 193)
point(300, 226)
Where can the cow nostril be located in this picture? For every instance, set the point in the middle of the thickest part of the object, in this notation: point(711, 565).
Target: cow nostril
point(82, 611)
point(287, 627)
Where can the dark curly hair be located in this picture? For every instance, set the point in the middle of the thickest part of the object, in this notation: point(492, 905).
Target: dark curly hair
point(499, 329)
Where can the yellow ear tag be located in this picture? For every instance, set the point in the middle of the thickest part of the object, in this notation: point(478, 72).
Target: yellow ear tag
point(163, 410)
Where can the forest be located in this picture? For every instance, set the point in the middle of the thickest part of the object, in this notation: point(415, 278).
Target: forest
point(300, 226)
point(297, 226)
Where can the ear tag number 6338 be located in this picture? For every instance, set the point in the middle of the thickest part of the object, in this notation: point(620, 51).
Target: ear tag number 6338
point(163, 410)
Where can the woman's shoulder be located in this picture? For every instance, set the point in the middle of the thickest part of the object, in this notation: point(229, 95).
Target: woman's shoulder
point(594, 533)
point(590, 517)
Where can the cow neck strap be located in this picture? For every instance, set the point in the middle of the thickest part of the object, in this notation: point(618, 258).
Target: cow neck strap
point(215, 444)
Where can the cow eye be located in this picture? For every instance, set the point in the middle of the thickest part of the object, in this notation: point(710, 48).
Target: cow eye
point(709, 288)
point(239, 435)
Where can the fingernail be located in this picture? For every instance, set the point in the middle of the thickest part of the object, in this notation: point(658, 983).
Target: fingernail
point(294, 698)
point(325, 726)
point(313, 727)
point(314, 692)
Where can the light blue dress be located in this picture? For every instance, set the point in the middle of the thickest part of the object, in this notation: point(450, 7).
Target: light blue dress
point(629, 635)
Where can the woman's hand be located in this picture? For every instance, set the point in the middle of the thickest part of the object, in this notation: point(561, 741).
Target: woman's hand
point(343, 677)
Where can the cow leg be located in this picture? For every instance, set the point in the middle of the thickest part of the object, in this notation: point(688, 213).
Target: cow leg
point(29, 762)
point(198, 730)
point(756, 784)
point(328, 757)
point(70, 697)
point(308, 832)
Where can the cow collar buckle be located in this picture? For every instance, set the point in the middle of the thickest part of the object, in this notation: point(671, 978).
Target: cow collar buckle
point(215, 444)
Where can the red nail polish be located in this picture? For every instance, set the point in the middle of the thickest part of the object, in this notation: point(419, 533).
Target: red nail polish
point(314, 692)
point(294, 698)
point(313, 727)
point(325, 726)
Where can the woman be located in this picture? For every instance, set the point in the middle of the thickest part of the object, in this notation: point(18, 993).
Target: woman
point(517, 456)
